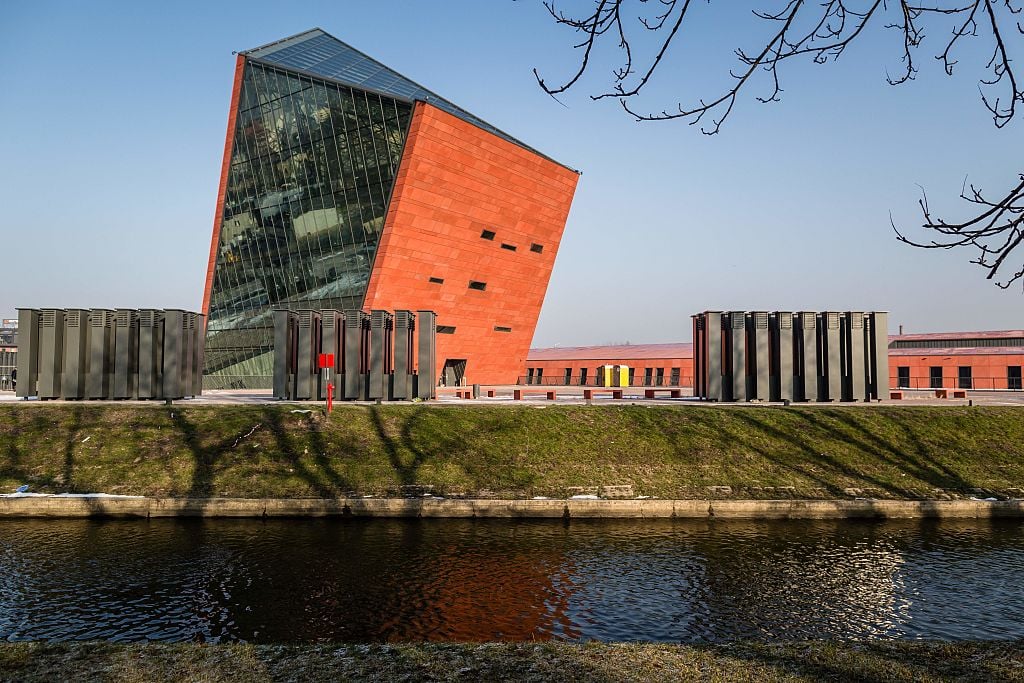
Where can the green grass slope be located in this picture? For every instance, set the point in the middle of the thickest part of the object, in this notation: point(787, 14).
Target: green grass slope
point(662, 451)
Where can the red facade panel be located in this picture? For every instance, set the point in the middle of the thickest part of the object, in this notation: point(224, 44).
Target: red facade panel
point(455, 182)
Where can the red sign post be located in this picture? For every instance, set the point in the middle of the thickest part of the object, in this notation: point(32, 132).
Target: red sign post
point(326, 363)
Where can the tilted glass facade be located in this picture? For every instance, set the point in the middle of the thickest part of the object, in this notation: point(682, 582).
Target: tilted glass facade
point(312, 166)
point(320, 53)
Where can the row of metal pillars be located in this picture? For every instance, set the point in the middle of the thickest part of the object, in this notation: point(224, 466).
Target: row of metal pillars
point(785, 356)
point(376, 355)
point(109, 354)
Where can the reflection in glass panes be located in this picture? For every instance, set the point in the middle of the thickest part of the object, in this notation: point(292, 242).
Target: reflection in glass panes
point(311, 168)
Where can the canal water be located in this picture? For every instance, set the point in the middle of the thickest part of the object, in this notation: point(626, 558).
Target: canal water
point(392, 580)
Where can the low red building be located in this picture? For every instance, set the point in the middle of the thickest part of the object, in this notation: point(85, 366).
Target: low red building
point(967, 360)
point(962, 360)
point(669, 365)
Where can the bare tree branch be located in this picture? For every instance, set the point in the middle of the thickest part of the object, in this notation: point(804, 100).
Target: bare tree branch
point(820, 31)
point(995, 232)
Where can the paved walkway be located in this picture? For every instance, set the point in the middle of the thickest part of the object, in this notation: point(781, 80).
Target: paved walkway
point(536, 395)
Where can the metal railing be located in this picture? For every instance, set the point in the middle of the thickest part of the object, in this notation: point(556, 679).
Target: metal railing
point(925, 383)
point(638, 380)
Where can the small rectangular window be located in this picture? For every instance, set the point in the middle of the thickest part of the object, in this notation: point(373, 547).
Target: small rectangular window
point(583, 377)
point(499, 328)
point(659, 377)
point(935, 377)
point(437, 280)
point(479, 286)
point(537, 248)
point(903, 376)
point(964, 377)
point(487, 234)
point(567, 377)
point(529, 375)
point(1013, 377)
point(445, 329)
point(674, 378)
point(510, 247)
point(648, 373)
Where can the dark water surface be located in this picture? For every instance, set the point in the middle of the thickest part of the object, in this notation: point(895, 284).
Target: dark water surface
point(381, 580)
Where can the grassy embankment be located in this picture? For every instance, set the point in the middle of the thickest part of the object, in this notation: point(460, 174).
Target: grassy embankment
point(665, 452)
point(873, 661)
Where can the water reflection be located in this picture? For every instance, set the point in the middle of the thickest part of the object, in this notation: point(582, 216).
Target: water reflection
point(301, 581)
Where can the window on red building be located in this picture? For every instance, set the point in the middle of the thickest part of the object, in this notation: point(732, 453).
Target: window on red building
point(964, 377)
point(1013, 377)
point(935, 377)
point(903, 377)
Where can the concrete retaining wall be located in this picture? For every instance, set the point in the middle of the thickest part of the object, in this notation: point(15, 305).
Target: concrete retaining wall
point(68, 507)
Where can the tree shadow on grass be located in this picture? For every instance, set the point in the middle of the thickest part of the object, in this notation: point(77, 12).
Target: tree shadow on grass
point(287, 447)
point(919, 463)
point(11, 467)
point(68, 469)
point(418, 441)
point(209, 460)
point(840, 425)
point(875, 662)
point(41, 422)
point(812, 458)
point(393, 447)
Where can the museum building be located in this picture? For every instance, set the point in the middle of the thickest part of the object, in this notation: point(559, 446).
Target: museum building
point(346, 185)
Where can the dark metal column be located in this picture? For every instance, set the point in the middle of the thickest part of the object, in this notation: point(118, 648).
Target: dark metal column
point(174, 327)
point(151, 346)
point(355, 321)
point(784, 379)
point(126, 353)
point(713, 355)
point(76, 332)
point(738, 325)
point(51, 352)
point(759, 347)
point(99, 353)
point(197, 324)
point(331, 332)
point(833, 370)
point(401, 385)
point(380, 354)
point(28, 351)
point(306, 372)
point(807, 338)
point(426, 362)
point(857, 368)
point(284, 351)
point(880, 354)
point(700, 358)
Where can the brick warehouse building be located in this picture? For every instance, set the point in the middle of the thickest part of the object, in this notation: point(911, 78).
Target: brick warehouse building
point(346, 185)
point(952, 360)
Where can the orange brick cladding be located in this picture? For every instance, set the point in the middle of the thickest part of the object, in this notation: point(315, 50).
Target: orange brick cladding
point(454, 182)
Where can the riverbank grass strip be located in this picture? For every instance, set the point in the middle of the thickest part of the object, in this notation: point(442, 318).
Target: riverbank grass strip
point(277, 451)
point(531, 662)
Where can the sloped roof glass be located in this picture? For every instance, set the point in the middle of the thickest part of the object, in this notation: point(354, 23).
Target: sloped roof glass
point(321, 54)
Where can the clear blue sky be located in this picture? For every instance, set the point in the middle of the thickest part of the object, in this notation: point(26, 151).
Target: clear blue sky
point(113, 118)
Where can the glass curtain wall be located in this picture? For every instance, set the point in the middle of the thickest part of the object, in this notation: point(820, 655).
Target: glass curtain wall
point(312, 167)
